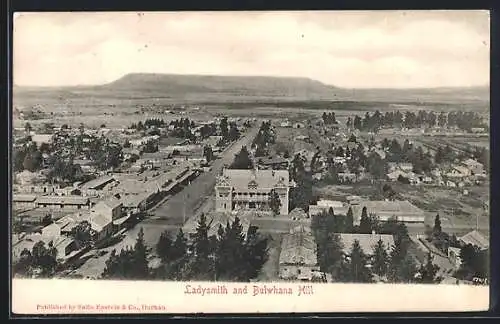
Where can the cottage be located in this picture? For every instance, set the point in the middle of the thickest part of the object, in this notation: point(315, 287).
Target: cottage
point(298, 258)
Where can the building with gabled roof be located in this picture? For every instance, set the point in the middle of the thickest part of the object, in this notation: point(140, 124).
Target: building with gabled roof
point(298, 258)
point(250, 189)
point(475, 238)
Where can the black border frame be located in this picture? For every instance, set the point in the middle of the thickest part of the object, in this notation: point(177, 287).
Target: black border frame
point(148, 5)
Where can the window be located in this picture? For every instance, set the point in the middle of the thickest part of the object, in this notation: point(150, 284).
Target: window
point(251, 205)
point(298, 271)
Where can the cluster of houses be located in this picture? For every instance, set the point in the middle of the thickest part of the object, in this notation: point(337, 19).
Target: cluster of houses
point(465, 173)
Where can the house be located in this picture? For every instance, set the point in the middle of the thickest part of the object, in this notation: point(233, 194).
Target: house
point(401, 210)
point(102, 225)
point(367, 242)
point(298, 214)
point(21, 201)
point(285, 124)
point(347, 177)
point(275, 163)
point(97, 184)
point(64, 245)
point(473, 166)
point(40, 139)
point(298, 259)
point(111, 208)
point(63, 202)
point(475, 238)
point(450, 184)
point(459, 172)
point(250, 189)
point(405, 167)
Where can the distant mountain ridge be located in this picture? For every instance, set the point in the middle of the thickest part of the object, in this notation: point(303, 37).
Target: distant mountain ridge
point(247, 88)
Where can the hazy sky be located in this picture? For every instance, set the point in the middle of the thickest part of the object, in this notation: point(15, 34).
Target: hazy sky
point(348, 49)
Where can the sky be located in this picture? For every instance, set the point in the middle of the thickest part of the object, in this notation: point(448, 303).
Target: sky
point(351, 49)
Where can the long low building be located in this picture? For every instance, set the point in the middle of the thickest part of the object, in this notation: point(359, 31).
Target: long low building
point(298, 258)
point(63, 202)
point(401, 210)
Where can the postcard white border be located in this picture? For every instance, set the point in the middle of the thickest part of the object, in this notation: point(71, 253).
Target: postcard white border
point(57, 296)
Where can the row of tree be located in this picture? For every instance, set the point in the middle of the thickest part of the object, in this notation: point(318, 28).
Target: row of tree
point(329, 118)
point(228, 256)
point(265, 137)
point(410, 119)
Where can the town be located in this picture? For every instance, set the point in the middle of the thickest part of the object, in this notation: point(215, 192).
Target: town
point(192, 192)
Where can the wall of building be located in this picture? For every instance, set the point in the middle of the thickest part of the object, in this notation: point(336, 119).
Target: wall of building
point(293, 271)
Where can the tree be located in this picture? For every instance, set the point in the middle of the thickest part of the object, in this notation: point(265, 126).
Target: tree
point(357, 264)
point(208, 153)
point(28, 128)
point(23, 267)
point(83, 234)
point(402, 268)
point(274, 202)
point(234, 133)
point(349, 223)
point(436, 230)
point(357, 122)
point(140, 263)
point(200, 242)
point(428, 271)
point(242, 160)
point(164, 247)
point(256, 252)
point(179, 247)
point(47, 220)
point(224, 128)
point(44, 258)
point(380, 259)
point(365, 226)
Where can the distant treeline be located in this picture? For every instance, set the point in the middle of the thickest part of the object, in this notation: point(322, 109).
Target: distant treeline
point(464, 120)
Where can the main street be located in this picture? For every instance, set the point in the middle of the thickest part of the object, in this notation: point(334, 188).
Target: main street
point(171, 213)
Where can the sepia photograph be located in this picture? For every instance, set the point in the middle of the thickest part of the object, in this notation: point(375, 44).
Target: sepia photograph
point(261, 158)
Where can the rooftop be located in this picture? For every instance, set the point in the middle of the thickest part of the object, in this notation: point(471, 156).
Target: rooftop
point(68, 200)
point(476, 238)
point(263, 179)
point(298, 247)
point(366, 241)
point(23, 198)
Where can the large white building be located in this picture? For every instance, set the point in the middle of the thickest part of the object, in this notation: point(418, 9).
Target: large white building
point(250, 189)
